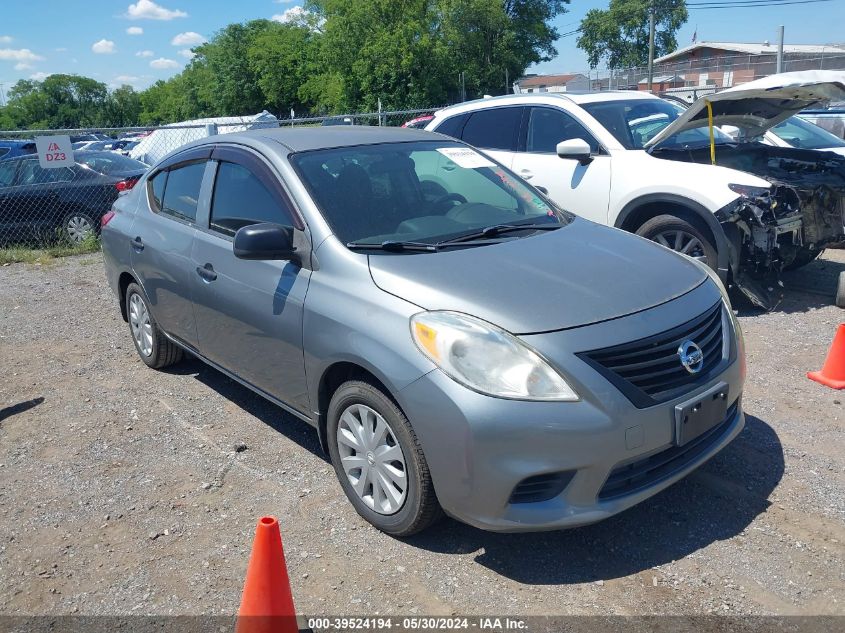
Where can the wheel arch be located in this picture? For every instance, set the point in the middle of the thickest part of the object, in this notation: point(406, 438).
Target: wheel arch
point(333, 377)
point(123, 282)
point(642, 209)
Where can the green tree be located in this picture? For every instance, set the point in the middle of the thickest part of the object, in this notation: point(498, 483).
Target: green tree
point(618, 35)
point(124, 107)
point(410, 53)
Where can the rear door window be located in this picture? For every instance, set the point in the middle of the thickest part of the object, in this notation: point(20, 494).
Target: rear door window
point(182, 191)
point(493, 128)
point(241, 199)
point(156, 189)
point(453, 126)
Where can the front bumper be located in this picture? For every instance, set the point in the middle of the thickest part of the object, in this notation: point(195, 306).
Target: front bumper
point(480, 448)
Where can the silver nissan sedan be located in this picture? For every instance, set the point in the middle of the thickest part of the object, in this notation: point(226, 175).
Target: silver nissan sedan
point(460, 344)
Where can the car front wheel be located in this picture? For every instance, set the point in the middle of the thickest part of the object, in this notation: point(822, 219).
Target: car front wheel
point(681, 236)
point(379, 461)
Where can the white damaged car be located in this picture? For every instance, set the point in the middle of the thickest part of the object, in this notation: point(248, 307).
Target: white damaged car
point(637, 162)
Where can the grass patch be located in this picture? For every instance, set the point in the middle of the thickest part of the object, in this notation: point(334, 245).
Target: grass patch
point(30, 255)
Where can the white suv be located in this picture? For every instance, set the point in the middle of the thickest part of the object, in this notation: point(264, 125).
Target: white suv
point(751, 214)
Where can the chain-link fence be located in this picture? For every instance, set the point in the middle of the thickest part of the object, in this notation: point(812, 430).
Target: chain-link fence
point(56, 195)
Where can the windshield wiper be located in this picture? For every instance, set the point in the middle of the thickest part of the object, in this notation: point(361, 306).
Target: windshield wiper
point(392, 245)
point(499, 229)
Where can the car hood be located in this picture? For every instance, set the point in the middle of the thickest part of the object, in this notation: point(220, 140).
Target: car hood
point(579, 274)
point(761, 104)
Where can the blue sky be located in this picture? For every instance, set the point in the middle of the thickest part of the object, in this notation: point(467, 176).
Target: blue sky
point(140, 41)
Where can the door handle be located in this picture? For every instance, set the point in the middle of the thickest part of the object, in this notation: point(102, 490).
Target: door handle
point(138, 244)
point(207, 272)
point(526, 174)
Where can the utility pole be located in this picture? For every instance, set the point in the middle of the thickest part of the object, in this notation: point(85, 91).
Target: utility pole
point(780, 49)
point(650, 45)
point(507, 85)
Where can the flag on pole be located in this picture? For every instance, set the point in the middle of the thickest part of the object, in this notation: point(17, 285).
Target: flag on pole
point(695, 35)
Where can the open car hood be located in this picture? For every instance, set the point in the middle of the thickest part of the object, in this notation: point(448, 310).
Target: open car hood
point(760, 104)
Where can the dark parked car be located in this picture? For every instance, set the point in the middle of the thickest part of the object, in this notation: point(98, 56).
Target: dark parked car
point(13, 149)
point(66, 200)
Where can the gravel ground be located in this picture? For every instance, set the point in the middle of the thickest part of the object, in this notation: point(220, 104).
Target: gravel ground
point(129, 491)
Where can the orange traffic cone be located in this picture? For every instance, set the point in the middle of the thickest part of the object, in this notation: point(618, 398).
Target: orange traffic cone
point(267, 603)
point(833, 372)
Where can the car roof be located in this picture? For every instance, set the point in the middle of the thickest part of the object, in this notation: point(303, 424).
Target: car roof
point(311, 138)
point(547, 98)
point(8, 142)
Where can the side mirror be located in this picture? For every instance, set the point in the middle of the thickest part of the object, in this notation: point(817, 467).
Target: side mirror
point(265, 241)
point(576, 149)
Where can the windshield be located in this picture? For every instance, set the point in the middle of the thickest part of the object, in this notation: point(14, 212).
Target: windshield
point(107, 163)
point(422, 192)
point(800, 133)
point(634, 122)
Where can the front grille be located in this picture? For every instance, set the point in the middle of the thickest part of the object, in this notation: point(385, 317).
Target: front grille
point(649, 371)
point(646, 472)
point(541, 487)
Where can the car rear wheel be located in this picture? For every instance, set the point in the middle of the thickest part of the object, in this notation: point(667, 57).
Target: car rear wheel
point(379, 461)
point(681, 236)
point(154, 348)
point(79, 226)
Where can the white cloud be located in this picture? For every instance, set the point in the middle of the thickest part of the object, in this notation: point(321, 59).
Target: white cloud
point(189, 38)
point(61, 50)
point(163, 63)
point(187, 53)
point(135, 30)
point(282, 1)
point(144, 54)
point(19, 55)
point(104, 47)
point(5, 39)
point(23, 66)
point(40, 76)
point(290, 15)
point(149, 10)
point(126, 79)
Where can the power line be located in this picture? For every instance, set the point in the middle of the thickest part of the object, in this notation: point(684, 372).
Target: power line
point(748, 4)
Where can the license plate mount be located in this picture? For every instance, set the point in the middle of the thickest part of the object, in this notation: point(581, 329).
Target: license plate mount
point(699, 415)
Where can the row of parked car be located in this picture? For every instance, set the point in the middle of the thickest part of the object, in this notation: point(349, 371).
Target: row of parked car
point(462, 342)
point(65, 203)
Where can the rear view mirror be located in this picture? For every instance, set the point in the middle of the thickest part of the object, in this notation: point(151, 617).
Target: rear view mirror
point(576, 149)
point(265, 241)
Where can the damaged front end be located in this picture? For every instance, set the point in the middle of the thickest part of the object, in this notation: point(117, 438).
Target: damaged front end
point(781, 227)
point(761, 227)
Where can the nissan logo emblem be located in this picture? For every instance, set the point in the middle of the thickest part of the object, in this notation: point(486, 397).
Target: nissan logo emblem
point(692, 358)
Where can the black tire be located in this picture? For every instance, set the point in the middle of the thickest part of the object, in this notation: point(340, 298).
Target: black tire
point(420, 508)
point(163, 351)
point(71, 223)
point(668, 224)
point(803, 257)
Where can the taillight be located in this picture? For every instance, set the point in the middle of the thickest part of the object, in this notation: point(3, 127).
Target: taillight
point(107, 218)
point(125, 185)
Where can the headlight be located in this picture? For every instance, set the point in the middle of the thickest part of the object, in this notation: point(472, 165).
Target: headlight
point(487, 359)
point(747, 191)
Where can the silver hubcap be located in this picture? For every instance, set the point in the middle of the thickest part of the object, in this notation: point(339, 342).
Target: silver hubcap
point(372, 459)
point(79, 227)
point(139, 321)
point(682, 242)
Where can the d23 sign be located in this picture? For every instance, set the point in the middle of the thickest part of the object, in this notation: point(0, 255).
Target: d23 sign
point(54, 151)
